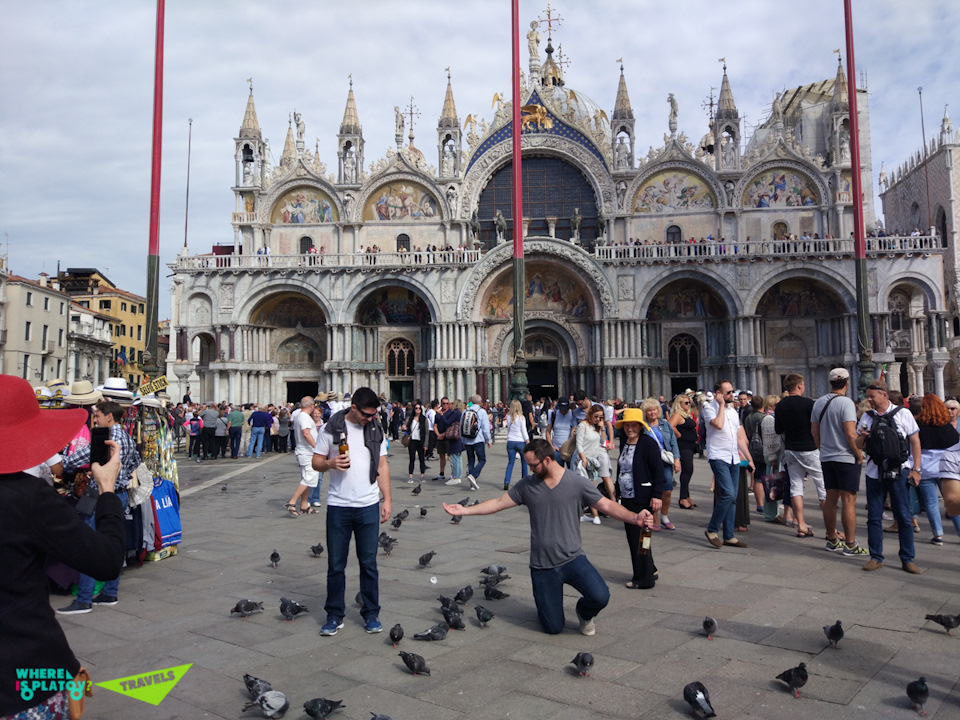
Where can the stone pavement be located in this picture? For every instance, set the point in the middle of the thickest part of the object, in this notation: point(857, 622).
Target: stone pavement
point(771, 602)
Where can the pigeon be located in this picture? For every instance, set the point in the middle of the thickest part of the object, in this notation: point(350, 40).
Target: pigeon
point(274, 557)
point(464, 594)
point(415, 663)
point(709, 627)
point(246, 607)
point(698, 698)
point(475, 502)
point(464, 501)
point(491, 580)
point(223, 489)
point(491, 593)
point(378, 716)
point(404, 515)
point(423, 512)
point(494, 570)
point(290, 609)
point(796, 678)
point(949, 622)
point(358, 598)
point(316, 549)
point(255, 686)
point(437, 632)
point(583, 661)
point(388, 544)
point(455, 519)
point(448, 603)
point(426, 558)
point(453, 618)
point(272, 703)
point(397, 522)
point(417, 489)
point(834, 634)
point(919, 693)
point(320, 708)
point(396, 635)
point(483, 615)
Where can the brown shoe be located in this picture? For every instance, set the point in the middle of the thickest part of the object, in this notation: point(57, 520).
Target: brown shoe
point(912, 569)
point(892, 528)
point(873, 565)
point(735, 542)
point(713, 539)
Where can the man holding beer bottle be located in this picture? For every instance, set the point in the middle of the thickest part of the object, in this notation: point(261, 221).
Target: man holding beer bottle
point(352, 447)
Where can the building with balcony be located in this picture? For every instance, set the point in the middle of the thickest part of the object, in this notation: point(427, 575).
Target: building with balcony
point(36, 330)
point(645, 274)
point(90, 353)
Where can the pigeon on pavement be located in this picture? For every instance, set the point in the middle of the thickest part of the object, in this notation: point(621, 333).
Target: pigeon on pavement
point(358, 599)
point(919, 693)
point(415, 663)
point(709, 627)
point(246, 607)
point(396, 635)
point(404, 515)
point(455, 519)
point(255, 686)
point(448, 603)
point(437, 632)
point(316, 549)
point(494, 570)
point(453, 618)
point(492, 580)
point(290, 609)
point(423, 512)
point(378, 716)
point(426, 558)
point(483, 615)
point(272, 703)
point(417, 489)
point(796, 678)
point(583, 661)
point(949, 622)
point(491, 593)
point(320, 708)
point(397, 522)
point(274, 557)
point(698, 698)
point(834, 634)
point(223, 489)
point(464, 594)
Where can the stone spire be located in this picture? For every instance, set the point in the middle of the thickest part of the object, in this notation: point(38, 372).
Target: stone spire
point(841, 99)
point(351, 121)
point(621, 108)
point(250, 128)
point(289, 156)
point(946, 128)
point(726, 107)
point(449, 114)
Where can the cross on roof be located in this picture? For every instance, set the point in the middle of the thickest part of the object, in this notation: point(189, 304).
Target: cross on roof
point(551, 19)
point(411, 110)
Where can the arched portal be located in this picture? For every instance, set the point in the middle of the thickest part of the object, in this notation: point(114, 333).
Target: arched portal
point(683, 363)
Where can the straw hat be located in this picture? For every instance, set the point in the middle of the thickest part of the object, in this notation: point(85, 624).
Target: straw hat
point(116, 389)
point(631, 415)
point(82, 393)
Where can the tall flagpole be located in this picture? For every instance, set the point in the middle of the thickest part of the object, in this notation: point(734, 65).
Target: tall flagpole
point(153, 255)
point(518, 382)
point(864, 336)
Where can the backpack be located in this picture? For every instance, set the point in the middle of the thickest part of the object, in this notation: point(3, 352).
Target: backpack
point(885, 446)
point(469, 424)
point(756, 443)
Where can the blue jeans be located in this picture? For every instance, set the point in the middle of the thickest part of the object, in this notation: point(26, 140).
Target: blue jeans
point(514, 448)
point(928, 490)
point(727, 477)
point(363, 524)
point(85, 583)
point(235, 433)
point(456, 465)
point(256, 441)
point(314, 495)
point(901, 513)
point(558, 458)
point(476, 459)
point(548, 592)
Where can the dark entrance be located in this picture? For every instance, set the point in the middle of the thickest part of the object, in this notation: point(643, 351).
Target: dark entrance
point(299, 389)
point(542, 378)
point(401, 391)
point(680, 384)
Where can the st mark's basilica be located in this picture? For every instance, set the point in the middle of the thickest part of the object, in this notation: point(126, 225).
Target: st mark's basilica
point(647, 272)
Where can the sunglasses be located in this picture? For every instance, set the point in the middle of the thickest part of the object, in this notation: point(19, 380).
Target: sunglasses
point(368, 416)
point(876, 387)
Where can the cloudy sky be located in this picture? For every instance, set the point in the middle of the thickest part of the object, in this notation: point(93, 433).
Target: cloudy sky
point(77, 82)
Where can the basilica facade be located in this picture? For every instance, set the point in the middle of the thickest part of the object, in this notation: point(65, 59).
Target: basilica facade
point(646, 273)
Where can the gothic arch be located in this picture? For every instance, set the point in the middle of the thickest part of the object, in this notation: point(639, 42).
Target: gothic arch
point(719, 285)
point(360, 292)
point(574, 351)
point(832, 279)
point(483, 271)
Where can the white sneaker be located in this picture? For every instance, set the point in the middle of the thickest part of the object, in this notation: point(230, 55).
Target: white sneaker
point(587, 627)
point(585, 518)
point(410, 481)
point(452, 481)
point(596, 520)
point(473, 482)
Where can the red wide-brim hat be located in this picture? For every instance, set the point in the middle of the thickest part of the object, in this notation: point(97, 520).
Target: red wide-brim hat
point(29, 435)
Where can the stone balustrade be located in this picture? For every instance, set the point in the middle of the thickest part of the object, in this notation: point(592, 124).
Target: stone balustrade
point(360, 261)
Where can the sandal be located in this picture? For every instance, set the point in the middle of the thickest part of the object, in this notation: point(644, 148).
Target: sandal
point(741, 528)
point(292, 509)
point(655, 527)
point(308, 510)
point(808, 533)
point(669, 526)
point(691, 506)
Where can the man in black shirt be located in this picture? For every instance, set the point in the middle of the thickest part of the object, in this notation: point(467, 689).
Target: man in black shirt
point(801, 458)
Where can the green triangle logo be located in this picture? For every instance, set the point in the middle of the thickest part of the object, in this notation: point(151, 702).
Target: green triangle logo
point(151, 687)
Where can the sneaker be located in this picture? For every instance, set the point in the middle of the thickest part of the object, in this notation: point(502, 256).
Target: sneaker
point(75, 608)
point(473, 482)
point(102, 599)
point(713, 539)
point(587, 627)
point(833, 545)
point(585, 518)
point(596, 521)
point(452, 481)
point(936, 540)
point(856, 549)
point(373, 626)
point(315, 504)
point(410, 481)
point(439, 477)
point(911, 568)
point(331, 627)
point(872, 565)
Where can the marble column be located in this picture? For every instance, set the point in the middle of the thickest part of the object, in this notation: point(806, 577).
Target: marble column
point(938, 366)
point(918, 368)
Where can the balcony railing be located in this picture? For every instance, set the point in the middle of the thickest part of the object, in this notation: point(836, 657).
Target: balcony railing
point(364, 261)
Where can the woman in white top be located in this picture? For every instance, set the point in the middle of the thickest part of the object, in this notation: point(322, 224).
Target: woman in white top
point(416, 428)
point(517, 437)
point(594, 461)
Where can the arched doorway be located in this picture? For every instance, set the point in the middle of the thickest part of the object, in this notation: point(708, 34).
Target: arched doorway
point(683, 363)
point(400, 361)
point(543, 365)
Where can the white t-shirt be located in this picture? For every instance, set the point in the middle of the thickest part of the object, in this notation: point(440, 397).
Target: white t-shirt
point(431, 418)
point(302, 422)
point(351, 487)
point(722, 444)
point(906, 426)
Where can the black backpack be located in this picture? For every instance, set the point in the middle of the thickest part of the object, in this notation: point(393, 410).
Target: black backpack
point(756, 443)
point(885, 446)
point(469, 424)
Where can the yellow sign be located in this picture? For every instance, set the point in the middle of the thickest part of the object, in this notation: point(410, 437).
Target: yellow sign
point(153, 386)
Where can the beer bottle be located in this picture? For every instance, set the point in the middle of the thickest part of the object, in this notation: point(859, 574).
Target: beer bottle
point(344, 447)
point(646, 536)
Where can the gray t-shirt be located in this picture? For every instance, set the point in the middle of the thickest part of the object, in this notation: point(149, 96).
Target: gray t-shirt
point(209, 417)
point(561, 427)
point(554, 516)
point(833, 439)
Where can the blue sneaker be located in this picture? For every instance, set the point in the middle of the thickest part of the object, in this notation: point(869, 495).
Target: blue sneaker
point(373, 626)
point(331, 627)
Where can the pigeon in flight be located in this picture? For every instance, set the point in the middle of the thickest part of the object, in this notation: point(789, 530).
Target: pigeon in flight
point(290, 609)
point(583, 661)
point(246, 607)
point(316, 549)
point(415, 663)
point(834, 634)
point(437, 632)
point(274, 557)
point(417, 489)
point(483, 615)
point(396, 635)
point(426, 558)
point(949, 622)
point(320, 708)
point(698, 698)
point(709, 627)
point(919, 693)
point(255, 686)
point(491, 593)
point(464, 502)
point(796, 678)
point(464, 594)
point(272, 703)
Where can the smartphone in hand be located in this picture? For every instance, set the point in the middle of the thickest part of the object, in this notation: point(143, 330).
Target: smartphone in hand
point(99, 451)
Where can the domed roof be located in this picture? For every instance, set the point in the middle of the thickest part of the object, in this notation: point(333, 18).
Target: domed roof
point(577, 109)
